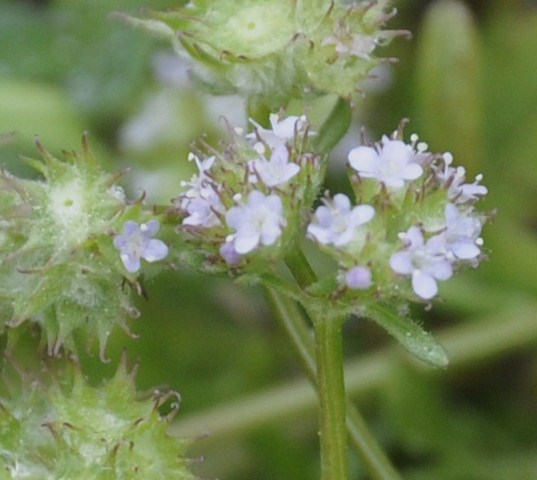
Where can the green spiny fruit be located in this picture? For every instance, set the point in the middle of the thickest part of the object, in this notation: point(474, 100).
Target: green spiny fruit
point(58, 262)
point(56, 426)
point(276, 49)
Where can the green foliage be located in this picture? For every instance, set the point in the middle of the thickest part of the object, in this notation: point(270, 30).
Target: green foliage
point(448, 77)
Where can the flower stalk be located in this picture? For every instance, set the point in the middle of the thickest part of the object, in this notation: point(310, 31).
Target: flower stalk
point(331, 388)
point(293, 323)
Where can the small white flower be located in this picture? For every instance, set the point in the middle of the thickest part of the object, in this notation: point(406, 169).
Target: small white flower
point(203, 208)
point(136, 243)
point(462, 233)
point(201, 201)
point(454, 178)
point(282, 130)
point(358, 278)
point(426, 262)
point(336, 222)
point(278, 170)
point(392, 162)
point(258, 222)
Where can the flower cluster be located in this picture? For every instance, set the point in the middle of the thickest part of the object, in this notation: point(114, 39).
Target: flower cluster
point(308, 48)
point(243, 198)
point(416, 219)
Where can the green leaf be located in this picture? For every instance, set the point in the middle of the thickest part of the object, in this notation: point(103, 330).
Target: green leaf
point(409, 334)
point(334, 127)
point(448, 75)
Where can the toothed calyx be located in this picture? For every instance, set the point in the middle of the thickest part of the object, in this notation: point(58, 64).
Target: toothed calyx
point(276, 49)
point(56, 425)
point(59, 264)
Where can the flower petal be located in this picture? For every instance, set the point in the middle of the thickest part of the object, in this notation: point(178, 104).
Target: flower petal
point(363, 159)
point(155, 250)
point(424, 285)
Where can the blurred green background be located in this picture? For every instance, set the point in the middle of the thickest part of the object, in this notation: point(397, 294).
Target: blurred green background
point(468, 82)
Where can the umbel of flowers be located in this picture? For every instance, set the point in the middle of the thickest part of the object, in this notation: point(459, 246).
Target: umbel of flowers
point(276, 49)
point(248, 201)
point(59, 264)
point(414, 223)
point(55, 425)
point(411, 224)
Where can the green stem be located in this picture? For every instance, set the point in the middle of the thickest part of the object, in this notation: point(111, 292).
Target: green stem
point(300, 267)
point(294, 325)
point(332, 399)
point(483, 339)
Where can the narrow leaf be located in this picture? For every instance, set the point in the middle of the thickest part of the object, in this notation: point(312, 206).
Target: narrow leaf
point(410, 335)
point(448, 79)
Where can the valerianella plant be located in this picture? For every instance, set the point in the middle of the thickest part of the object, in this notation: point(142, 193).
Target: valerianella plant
point(73, 247)
point(415, 218)
point(411, 224)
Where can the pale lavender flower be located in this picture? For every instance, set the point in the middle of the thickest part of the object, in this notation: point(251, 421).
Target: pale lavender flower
point(358, 278)
point(201, 201)
point(282, 130)
point(257, 222)
point(454, 178)
point(462, 233)
point(276, 171)
point(228, 253)
point(336, 222)
point(198, 181)
point(136, 243)
point(202, 207)
point(425, 261)
point(391, 163)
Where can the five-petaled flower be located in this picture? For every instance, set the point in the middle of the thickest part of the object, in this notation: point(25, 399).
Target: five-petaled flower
point(454, 177)
point(425, 261)
point(276, 171)
point(136, 243)
point(257, 222)
point(462, 233)
point(283, 130)
point(336, 222)
point(391, 163)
